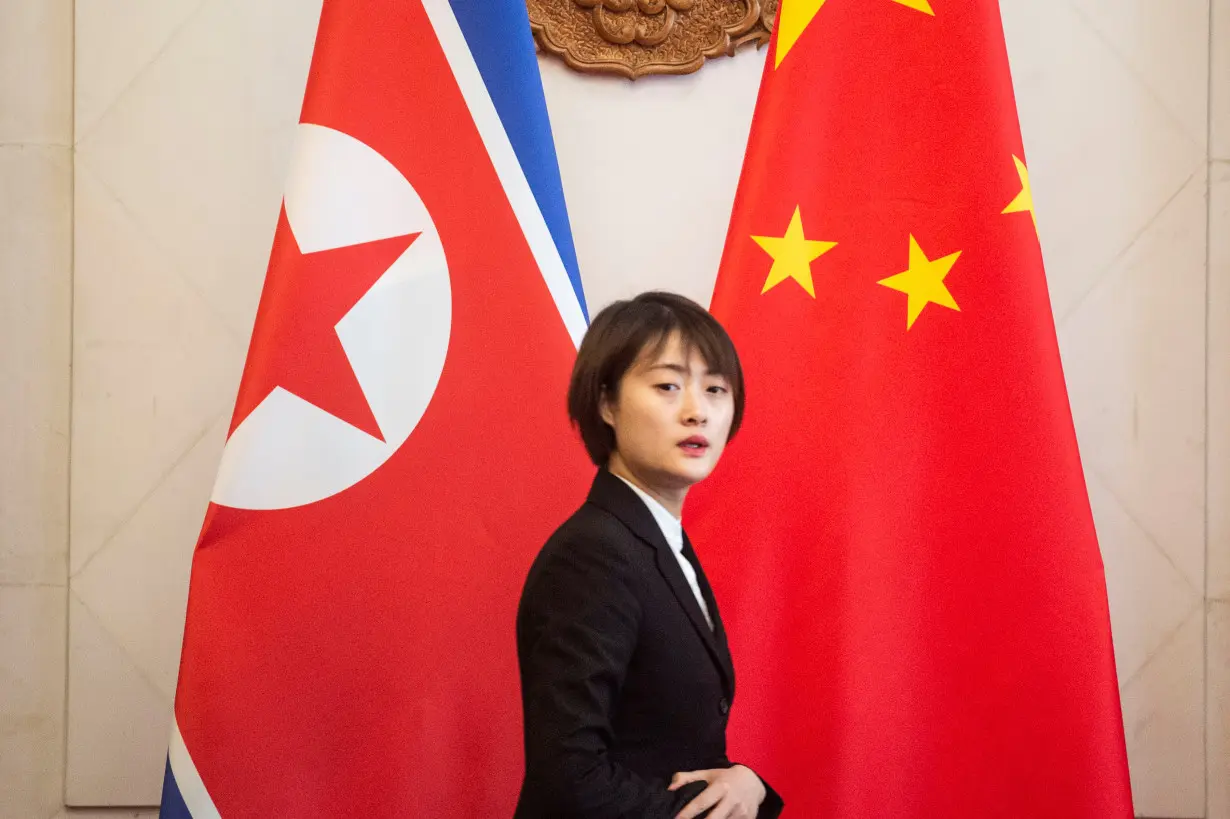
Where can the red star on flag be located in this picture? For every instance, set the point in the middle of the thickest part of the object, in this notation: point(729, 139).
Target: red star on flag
point(295, 343)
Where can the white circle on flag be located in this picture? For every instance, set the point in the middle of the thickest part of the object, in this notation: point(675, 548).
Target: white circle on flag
point(288, 452)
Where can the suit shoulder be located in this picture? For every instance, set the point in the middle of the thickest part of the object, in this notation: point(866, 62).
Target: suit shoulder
point(593, 524)
point(590, 558)
point(590, 535)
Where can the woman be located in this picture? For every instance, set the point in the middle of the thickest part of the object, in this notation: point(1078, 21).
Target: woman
point(626, 677)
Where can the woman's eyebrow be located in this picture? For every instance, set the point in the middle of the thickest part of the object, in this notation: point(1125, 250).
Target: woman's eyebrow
point(682, 370)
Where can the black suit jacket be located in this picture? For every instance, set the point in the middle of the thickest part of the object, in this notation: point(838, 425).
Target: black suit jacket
point(622, 681)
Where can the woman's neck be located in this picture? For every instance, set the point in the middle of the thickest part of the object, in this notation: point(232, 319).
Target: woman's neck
point(671, 499)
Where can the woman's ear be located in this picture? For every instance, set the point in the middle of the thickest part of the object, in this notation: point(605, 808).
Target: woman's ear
point(605, 410)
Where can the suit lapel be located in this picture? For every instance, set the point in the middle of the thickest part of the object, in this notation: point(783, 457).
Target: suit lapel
point(613, 495)
point(719, 630)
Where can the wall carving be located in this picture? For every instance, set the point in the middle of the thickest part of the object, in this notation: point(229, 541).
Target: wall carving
point(635, 38)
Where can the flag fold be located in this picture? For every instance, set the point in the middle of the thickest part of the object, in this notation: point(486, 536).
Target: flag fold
point(900, 535)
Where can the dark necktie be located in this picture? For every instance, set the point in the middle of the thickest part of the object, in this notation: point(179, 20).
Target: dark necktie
point(706, 593)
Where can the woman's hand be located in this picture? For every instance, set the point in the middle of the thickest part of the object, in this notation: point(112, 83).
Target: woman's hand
point(733, 793)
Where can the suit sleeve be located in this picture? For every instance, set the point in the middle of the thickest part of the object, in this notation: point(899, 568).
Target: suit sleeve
point(772, 806)
point(580, 618)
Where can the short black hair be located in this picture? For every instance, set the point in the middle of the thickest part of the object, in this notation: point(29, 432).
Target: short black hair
point(619, 335)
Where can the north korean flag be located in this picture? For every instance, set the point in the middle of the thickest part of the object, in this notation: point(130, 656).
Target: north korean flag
point(399, 449)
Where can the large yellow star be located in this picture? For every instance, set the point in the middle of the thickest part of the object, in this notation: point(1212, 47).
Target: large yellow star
point(793, 16)
point(1024, 200)
point(923, 282)
point(792, 255)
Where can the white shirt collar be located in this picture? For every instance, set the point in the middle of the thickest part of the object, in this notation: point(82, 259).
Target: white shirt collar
point(671, 526)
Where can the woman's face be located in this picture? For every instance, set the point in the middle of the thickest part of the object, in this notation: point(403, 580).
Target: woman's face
point(671, 418)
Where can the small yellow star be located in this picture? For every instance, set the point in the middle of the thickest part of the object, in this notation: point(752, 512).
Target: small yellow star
point(792, 255)
point(793, 16)
point(1024, 200)
point(923, 282)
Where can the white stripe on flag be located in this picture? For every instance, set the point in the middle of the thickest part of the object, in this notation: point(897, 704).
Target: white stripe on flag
point(191, 788)
point(516, 186)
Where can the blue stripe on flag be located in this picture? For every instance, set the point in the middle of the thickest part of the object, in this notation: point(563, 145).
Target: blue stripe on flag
point(498, 33)
point(173, 806)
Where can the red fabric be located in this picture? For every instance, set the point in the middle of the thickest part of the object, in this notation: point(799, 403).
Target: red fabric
point(900, 537)
point(294, 345)
point(356, 656)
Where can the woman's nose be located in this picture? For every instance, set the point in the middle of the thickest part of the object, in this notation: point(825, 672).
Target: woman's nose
point(694, 408)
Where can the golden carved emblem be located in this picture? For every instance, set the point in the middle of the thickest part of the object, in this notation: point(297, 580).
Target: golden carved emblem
point(634, 38)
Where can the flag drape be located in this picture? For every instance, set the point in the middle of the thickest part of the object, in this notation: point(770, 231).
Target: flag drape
point(399, 449)
point(900, 535)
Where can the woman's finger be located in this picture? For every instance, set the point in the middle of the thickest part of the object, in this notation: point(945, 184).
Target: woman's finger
point(706, 799)
point(684, 777)
point(724, 809)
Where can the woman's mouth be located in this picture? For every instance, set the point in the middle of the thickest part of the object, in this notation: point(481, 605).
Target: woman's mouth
point(695, 446)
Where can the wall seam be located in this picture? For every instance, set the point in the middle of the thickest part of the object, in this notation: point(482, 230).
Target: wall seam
point(1208, 372)
point(72, 326)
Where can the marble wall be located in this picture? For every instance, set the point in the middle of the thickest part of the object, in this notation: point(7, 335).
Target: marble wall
point(1217, 580)
point(143, 145)
point(36, 179)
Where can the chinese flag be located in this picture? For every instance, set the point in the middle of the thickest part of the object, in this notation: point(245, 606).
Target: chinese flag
point(900, 536)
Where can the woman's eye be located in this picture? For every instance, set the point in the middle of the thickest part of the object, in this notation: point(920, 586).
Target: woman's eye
point(668, 387)
point(718, 389)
